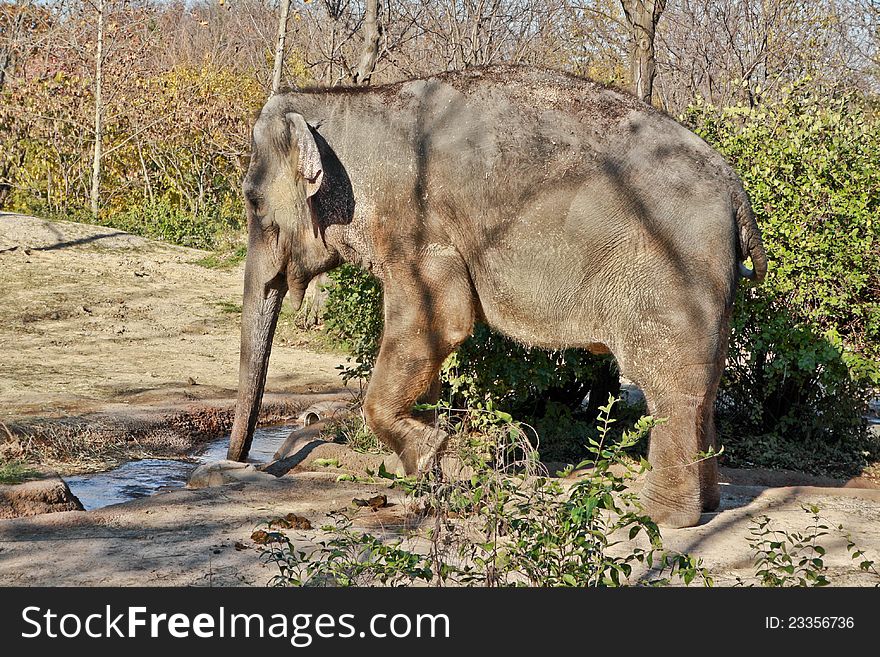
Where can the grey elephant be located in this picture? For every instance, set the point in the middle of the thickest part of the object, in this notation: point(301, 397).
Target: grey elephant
point(557, 211)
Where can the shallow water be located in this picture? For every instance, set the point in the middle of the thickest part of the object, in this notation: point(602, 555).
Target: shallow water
point(145, 477)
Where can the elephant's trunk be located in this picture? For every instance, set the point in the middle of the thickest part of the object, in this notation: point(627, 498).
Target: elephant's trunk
point(262, 303)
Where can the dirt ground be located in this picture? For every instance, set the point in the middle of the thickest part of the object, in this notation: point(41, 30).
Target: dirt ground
point(202, 537)
point(92, 315)
point(107, 331)
point(101, 325)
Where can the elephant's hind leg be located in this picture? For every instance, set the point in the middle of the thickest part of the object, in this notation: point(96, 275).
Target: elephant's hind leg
point(425, 320)
point(683, 482)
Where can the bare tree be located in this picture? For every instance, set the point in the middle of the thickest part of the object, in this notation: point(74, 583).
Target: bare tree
point(13, 18)
point(99, 106)
point(370, 53)
point(740, 51)
point(596, 40)
point(283, 14)
point(642, 17)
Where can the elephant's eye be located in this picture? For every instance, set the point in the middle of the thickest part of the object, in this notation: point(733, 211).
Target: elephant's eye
point(256, 203)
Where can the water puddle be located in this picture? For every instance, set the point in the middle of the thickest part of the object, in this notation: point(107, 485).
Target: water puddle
point(145, 477)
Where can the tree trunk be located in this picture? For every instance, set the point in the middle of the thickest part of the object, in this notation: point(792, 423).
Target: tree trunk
point(5, 57)
point(99, 110)
point(370, 51)
point(642, 17)
point(284, 13)
point(312, 311)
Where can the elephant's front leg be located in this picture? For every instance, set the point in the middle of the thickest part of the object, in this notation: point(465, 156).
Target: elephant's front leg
point(399, 379)
point(426, 319)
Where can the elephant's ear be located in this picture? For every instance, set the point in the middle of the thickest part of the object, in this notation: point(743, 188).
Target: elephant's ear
point(309, 157)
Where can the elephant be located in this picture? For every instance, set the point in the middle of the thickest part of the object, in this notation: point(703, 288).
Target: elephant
point(560, 212)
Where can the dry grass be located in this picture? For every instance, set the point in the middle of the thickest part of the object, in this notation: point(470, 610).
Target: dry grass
point(73, 447)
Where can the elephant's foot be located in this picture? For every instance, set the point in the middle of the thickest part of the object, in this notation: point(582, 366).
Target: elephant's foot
point(710, 492)
point(711, 497)
point(673, 509)
point(673, 517)
point(421, 454)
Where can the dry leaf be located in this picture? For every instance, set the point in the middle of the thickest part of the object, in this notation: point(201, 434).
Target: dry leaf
point(375, 503)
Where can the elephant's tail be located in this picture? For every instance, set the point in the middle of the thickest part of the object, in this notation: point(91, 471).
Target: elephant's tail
point(750, 244)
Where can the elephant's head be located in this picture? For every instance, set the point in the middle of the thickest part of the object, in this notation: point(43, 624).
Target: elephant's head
point(286, 247)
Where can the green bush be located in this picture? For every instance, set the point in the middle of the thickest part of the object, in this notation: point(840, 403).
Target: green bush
point(353, 316)
point(490, 370)
point(805, 343)
point(172, 223)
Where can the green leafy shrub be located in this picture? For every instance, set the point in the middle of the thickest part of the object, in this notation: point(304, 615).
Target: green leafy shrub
point(353, 316)
point(171, 223)
point(490, 370)
point(507, 524)
point(805, 343)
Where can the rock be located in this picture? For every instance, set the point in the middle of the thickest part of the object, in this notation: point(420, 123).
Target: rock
point(227, 472)
point(32, 498)
point(262, 537)
point(290, 521)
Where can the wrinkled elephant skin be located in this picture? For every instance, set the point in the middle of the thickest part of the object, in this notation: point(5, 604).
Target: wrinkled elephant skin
point(559, 212)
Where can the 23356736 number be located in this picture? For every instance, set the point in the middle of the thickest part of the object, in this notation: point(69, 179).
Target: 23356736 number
point(820, 622)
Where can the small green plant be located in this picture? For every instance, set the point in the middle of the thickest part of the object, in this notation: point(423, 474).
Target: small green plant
point(507, 523)
point(16, 472)
point(536, 532)
point(223, 260)
point(796, 558)
point(784, 558)
point(353, 431)
point(346, 558)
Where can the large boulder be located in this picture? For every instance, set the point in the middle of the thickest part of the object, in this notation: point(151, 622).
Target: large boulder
point(48, 495)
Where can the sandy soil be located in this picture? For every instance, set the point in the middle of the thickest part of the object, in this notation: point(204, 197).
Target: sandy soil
point(111, 335)
point(101, 327)
point(92, 315)
point(202, 537)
